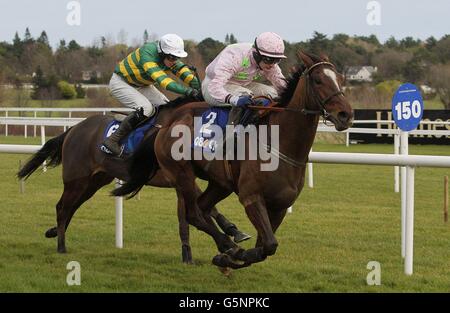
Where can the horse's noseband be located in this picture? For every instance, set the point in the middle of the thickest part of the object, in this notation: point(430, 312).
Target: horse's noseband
point(321, 102)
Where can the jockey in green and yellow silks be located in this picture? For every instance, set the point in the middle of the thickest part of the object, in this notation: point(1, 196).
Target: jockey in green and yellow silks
point(136, 78)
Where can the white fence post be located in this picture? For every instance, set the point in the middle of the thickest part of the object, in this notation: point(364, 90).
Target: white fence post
point(35, 115)
point(396, 168)
point(44, 165)
point(119, 218)
point(6, 125)
point(310, 174)
point(403, 151)
point(409, 221)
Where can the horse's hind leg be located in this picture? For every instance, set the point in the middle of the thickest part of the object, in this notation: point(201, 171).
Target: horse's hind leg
point(183, 227)
point(228, 227)
point(207, 201)
point(185, 187)
point(75, 193)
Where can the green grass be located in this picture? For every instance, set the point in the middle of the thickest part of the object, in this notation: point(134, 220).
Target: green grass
point(434, 104)
point(10, 100)
point(350, 217)
point(72, 103)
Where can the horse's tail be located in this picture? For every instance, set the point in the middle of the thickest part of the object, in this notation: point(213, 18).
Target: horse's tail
point(142, 167)
point(52, 150)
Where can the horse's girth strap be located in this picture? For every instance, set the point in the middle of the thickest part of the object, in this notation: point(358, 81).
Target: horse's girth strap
point(228, 170)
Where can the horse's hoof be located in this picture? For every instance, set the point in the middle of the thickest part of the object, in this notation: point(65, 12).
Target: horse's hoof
point(226, 271)
point(51, 233)
point(220, 260)
point(186, 254)
point(224, 260)
point(62, 250)
point(240, 236)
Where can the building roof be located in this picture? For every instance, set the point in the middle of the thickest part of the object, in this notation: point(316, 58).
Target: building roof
point(353, 70)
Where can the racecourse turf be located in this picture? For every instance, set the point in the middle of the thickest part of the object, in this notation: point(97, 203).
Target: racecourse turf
point(349, 218)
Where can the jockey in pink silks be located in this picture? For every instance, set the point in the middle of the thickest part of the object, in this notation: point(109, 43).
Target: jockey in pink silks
point(230, 77)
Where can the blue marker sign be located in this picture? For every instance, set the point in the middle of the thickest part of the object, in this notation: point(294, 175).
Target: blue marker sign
point(407, 107)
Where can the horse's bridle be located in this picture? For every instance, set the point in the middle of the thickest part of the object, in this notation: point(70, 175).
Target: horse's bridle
point(321, 102)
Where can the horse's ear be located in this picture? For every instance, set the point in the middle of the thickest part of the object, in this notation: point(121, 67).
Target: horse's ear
point(324, 57)
point(305, 58)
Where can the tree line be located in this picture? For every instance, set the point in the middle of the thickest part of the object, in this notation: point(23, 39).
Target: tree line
point(32, 60)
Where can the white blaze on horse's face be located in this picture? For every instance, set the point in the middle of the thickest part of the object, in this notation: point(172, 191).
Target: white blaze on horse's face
point(332, 75)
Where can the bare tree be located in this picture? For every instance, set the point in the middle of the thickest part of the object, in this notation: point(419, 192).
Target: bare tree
point(136, 42)
point(390, 63)
point(21, 97)
point(2, 90)
point(122, 37)
point(439, 78)
point(100, 98)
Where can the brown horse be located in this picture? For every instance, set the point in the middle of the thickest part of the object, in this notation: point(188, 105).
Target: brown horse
point(314, 91)
point(86, 169)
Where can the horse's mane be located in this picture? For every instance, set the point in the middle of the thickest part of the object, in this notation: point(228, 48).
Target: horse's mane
point(293, 79)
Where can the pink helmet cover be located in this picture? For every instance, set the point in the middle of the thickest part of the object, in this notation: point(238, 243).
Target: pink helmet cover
point(270, 44)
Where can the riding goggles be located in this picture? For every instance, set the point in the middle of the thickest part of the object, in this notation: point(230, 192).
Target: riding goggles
point(269, 60)
point(172, 58)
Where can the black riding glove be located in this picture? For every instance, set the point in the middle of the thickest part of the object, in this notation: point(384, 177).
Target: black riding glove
point(195, 94)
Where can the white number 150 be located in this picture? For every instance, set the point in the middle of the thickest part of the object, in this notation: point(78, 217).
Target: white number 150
point(405, 109)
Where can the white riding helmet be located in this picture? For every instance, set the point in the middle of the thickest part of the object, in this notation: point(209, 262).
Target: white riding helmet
point(172, 44)
point(270, 44)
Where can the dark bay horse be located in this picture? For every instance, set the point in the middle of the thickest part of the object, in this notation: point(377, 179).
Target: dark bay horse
point(86, 169)
point(314, 91)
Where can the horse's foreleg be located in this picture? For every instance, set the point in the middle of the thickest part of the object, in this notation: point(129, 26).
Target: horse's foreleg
point(275, 217)
point(266, 245)
point(258, 215)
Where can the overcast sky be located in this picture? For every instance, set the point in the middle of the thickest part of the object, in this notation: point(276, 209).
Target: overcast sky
point(294, 20)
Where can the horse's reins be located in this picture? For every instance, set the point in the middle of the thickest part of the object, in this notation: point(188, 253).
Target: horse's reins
point(321, 102)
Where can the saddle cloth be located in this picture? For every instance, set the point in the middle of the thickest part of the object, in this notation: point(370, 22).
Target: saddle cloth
point(205, 138)
point(132, 141)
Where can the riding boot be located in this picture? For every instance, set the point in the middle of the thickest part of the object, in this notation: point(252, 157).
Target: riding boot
point(127, 125)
